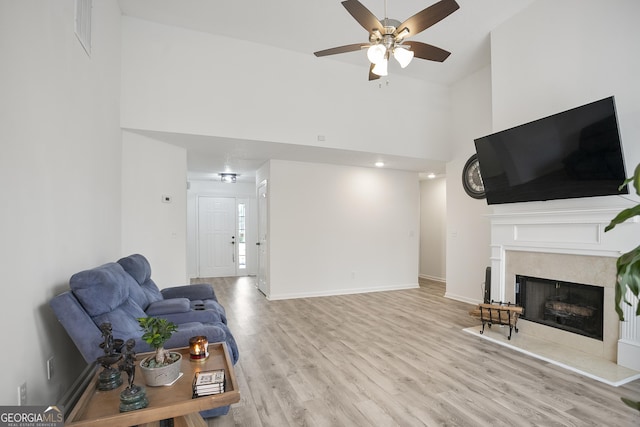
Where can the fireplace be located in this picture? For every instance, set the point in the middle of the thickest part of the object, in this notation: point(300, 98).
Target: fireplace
point(573, 307)
point(568, 245)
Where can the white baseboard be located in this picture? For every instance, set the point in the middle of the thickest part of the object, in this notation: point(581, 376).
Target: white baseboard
point(462, 299)
point(435, 279)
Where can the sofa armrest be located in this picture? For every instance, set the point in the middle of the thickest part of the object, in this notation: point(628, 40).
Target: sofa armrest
point(167, 306)
point(198, 291)
point(78, 324)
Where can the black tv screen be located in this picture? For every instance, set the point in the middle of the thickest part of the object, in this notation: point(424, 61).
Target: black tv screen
point(576, 153)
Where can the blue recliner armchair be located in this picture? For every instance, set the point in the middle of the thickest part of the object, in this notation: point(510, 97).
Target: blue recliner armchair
point(109, 293)
point(178, 304)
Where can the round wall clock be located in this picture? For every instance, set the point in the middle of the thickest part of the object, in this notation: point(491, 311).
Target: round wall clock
point(472, 179)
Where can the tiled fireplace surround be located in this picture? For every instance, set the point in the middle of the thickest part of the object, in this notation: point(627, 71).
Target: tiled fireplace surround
point(570, 246)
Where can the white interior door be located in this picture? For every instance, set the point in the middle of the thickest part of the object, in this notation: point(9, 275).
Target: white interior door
point(216, 236)
point(262, 243)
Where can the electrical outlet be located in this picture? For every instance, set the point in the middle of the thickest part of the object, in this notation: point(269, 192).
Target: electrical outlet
point(22, 394)
point(50, 368)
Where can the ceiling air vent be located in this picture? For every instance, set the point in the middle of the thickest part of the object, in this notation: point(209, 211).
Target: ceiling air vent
point(83, 24)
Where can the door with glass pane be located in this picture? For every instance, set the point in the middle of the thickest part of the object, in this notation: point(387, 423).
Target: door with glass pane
point(216, 236)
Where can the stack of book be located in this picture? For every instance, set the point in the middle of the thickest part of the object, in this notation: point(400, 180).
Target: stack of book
point(206, 383)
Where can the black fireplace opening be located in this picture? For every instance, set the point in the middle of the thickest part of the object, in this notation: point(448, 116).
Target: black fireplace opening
point(573, 307)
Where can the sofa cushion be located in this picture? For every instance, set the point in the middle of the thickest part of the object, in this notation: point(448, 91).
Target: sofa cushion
point(124, 321)
point(139, 268)
point(102, 289)
point(105, 294)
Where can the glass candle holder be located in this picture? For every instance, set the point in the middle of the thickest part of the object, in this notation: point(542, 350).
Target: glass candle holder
point(198, 348)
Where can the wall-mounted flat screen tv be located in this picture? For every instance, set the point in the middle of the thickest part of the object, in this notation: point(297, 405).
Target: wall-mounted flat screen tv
point(576, 153)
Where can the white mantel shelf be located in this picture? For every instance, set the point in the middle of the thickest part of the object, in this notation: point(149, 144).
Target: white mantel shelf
point(588, 216)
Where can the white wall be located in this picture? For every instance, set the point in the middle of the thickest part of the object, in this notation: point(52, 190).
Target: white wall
point(59, 180)
point(336, 229)
point(587, 51)
point(151, 170)
point(433, 228)
point(184, 81)
point(243, 192)
point(468, 231)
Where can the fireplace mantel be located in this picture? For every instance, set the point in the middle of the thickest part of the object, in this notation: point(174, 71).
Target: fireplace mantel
point(572, 232)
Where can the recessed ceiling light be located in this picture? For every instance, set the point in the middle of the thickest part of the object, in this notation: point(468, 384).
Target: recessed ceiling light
point(431, 175)
point(379, 164)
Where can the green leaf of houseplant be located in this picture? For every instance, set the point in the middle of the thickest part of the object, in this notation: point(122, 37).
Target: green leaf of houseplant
point(636, 179)
point(628, 272)
point(156, 331)
point(623, 216)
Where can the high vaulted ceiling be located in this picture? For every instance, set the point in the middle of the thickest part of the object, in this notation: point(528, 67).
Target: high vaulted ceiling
point(306, 26)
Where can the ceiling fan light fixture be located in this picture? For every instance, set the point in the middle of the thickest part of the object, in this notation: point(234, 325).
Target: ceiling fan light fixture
point(380, 69)
point(376, 53)
point(403, 56)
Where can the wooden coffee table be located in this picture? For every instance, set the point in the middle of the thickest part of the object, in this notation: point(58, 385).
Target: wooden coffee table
point(101, 408)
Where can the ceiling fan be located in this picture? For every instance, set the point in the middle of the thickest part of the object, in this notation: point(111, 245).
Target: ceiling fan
point(387, 37)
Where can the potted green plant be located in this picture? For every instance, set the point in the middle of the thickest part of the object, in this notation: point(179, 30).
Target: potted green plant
point(628, 265)
point(163, 367)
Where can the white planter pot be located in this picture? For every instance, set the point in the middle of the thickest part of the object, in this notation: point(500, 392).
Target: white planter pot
point(163, 375)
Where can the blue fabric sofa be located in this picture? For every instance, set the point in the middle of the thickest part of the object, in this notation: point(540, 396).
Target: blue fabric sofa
point(121, 292)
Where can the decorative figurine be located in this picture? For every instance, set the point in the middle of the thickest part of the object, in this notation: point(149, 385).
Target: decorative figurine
point(109, 378)
point(133, 397)
point(107, 333)
point(128, 365)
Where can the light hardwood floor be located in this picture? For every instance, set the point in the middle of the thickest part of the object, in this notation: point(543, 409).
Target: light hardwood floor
point(397, 358)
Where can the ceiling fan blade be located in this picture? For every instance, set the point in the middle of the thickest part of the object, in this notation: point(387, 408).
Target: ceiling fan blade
point(341, 49)
point(372, 75)
point(363, 15)
point(427, 51)
point(428, 17)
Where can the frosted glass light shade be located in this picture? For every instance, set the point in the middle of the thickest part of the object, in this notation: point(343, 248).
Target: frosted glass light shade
point(403, 56)
point(381, 68)
point(376, 53)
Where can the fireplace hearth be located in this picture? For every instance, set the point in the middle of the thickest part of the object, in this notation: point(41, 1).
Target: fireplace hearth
point(573, 307)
